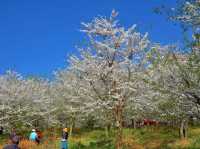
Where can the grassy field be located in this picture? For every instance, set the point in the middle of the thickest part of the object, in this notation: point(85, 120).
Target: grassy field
point(144, 138)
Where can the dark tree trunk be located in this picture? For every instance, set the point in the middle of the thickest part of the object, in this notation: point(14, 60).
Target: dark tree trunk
point(184, 129)
point(134, 124)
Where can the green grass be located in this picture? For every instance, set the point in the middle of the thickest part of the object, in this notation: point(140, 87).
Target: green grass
point(144, 138)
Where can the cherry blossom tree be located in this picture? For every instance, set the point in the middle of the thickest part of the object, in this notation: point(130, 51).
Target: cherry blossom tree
point(24, 102)
point(108, 70)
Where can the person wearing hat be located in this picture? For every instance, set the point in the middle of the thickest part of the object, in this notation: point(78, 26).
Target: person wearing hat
point(64, 142)
point(33, 136)
point(14, 143)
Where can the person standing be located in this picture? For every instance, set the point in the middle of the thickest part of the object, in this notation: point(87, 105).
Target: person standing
point(64, 139)
point(33, 136)
point(14, 143)
point(39, 136)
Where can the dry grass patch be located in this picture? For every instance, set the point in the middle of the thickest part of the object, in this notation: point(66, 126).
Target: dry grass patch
point(26, 144)
point(154, 144)
point(182, 143)
point(130, 143)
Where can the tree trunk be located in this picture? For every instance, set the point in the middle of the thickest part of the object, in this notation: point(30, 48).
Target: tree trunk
point(119, 138)
point(71, 129)
point(134, 124)
point(72, 125)
point(119, 120)
point(107, 130)
point(184, 129)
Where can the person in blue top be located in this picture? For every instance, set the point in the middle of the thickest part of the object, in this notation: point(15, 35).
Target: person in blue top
point(33, 136)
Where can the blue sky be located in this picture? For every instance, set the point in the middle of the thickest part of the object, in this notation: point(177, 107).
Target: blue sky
point(37, 35)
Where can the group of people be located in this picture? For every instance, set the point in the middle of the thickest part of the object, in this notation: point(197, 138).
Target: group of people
point(35, 136)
